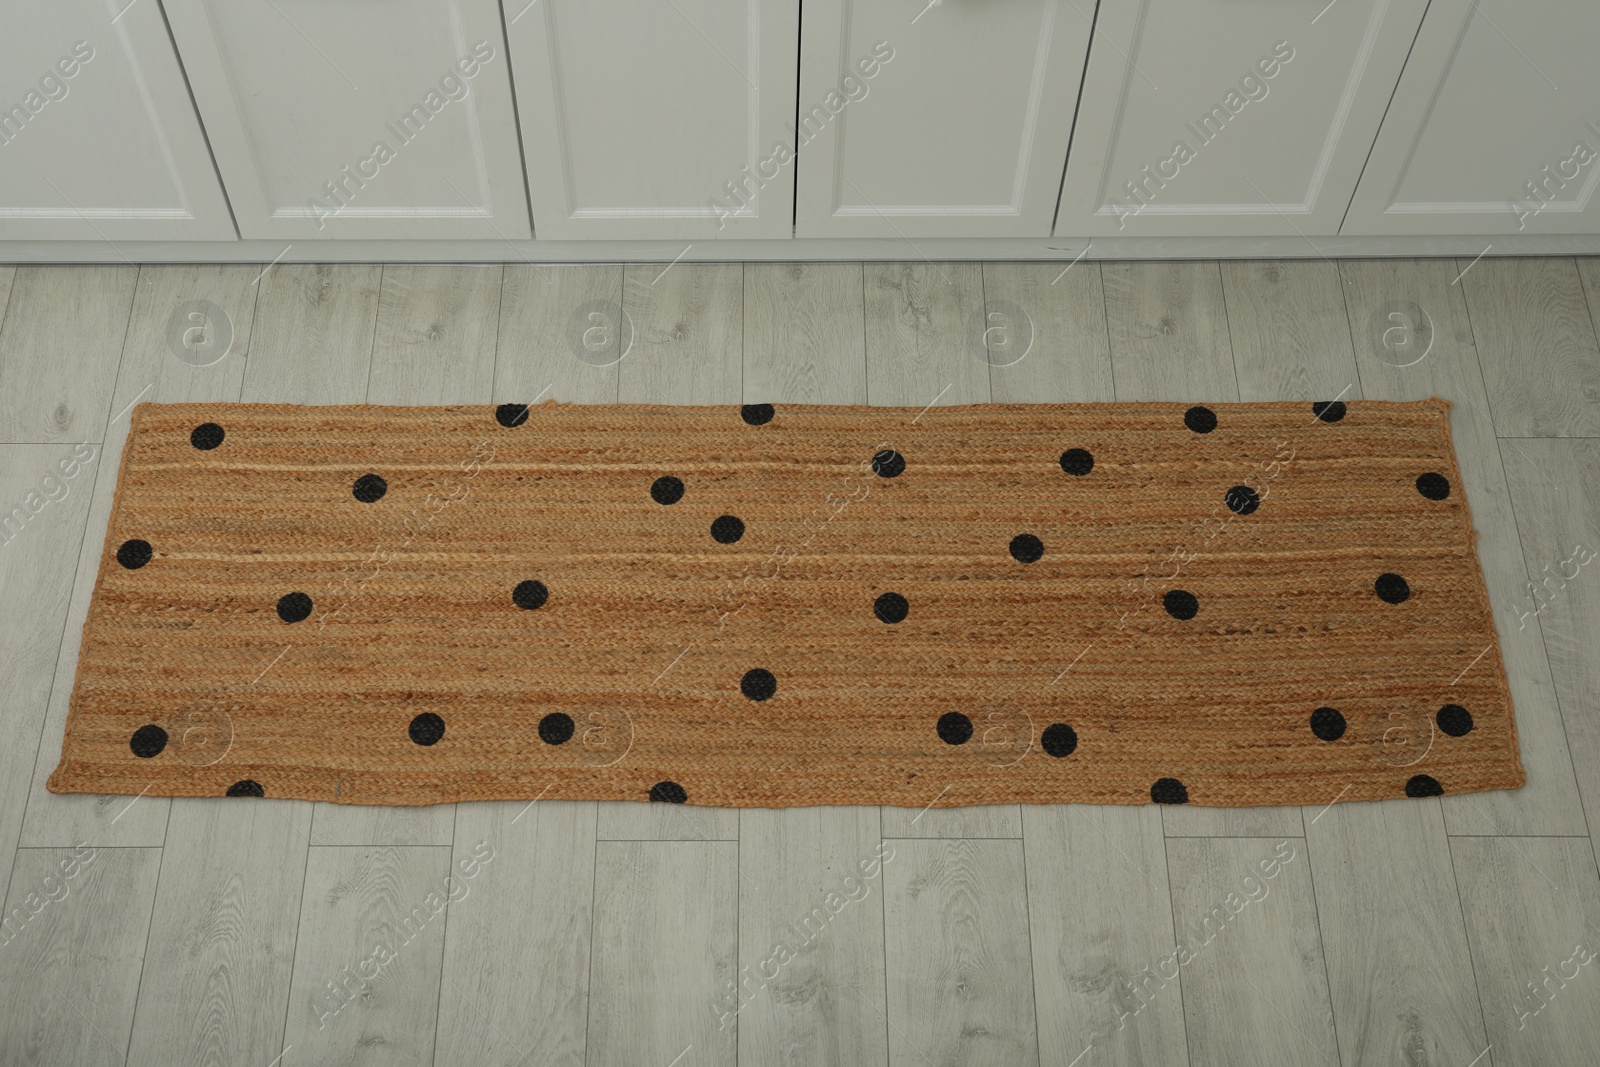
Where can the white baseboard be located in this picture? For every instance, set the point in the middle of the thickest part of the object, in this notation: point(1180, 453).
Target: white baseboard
point(815, 249)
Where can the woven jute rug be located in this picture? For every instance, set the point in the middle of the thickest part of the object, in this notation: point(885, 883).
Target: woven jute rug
point(1230, 604)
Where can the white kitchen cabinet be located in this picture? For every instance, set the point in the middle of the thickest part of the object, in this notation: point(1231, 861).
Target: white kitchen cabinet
point(357, 118)
point(959, 130)
point(1495, 128)
point(1230, 117)
point(98, 140)
point(654, 120)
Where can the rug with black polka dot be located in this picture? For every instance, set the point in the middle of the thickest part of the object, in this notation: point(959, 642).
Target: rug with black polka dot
point(1226, 604)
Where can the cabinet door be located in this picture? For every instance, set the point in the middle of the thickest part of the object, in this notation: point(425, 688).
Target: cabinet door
point(947, 118)
point(1495, 127)
point(98, 140)
point(1230, 117)
point(357, 118)
point(653, 120)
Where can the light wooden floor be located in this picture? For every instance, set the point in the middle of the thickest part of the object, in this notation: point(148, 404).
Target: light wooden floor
point(177, 932)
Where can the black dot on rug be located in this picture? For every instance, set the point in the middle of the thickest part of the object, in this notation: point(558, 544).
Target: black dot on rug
point(1200, 419)
point(888, 464)
point(954, 728)
point(666, 489)
point(1181, 604)
point(426, 729)
point(246, 788)
point(148, 741)
point(1328, 724)
point(1424, 786)
point(1026, 548)
point(134, 554)
point(206, 436)
point(754, 415)
point(1328, 410)
point(1242, 500)
point(511, 415)
point(1077, 461)
point(1392, 589)
point(668, 793)
point(758, 684)
point(891, 608)
point(1059, 740)
point(556, 728)
point(530, 595)
point(1454, 720)
point(294, 607)
point(1169, 791)
point(726, 529)
point(1433, 485)
point(369, 488)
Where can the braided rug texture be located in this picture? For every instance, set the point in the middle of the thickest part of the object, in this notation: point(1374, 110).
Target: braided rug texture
point(1231, 604)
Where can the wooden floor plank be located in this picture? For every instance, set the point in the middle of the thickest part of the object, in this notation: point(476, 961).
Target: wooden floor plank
point(1392, 932)
point(1414, 340)
point(980, 821)
point(1556, 492)
point(506, 1000)
point(215, 986)
point(959, 964)
point(1536, 341)
point(365, 987)
point(188, 340)
point(562, 334)
point(59, 348)
point(1291, 338)
point(8, 275)
point(626, 820)
point(918, 317)
point(45, 491)
point(1168, 332)
point(1533, 919)
point(1589, 272)
point(810, 938)
point(76, 921)
point(435, 334)
point(804, 334)
point(1255, 989)
point(1101, 917)
point(688, 326)
point(1045, 328)
point(665, 952)
point(313, 337)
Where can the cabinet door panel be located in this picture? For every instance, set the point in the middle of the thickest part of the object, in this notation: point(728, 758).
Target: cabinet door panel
point(1495, 127)
point(1230, 117)
point(960, 130)
point(357, 119)
point(653, 121)
point(98, 140)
